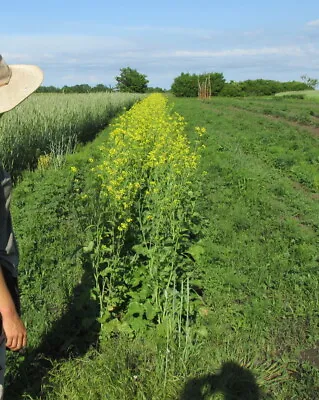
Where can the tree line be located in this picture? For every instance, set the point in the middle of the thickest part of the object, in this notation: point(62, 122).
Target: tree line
point(129, 80)
point(186, 85)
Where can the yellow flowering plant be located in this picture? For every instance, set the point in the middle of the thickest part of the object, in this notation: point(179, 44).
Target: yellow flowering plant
point(145, 189)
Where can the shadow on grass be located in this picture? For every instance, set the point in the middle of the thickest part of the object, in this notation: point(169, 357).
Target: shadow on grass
point(71, 336)
point(233, 381)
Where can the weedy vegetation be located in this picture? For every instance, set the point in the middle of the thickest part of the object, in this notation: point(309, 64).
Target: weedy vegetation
point(299, 110)
point(174, 257)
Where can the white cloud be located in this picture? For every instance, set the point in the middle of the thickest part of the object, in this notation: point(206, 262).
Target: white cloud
point(313, 23)
point(296, 51)
point(46, 45)
point(71, 59)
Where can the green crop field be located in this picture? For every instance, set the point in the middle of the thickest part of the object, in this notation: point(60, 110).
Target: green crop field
point(198, 279)
point(55, 124)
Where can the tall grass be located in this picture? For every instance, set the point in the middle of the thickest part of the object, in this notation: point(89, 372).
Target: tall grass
point(55, 121)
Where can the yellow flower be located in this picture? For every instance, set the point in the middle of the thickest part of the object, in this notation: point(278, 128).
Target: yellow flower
point(74, 169)
point(200, 131)
point(44, 161)
point(147, 147)
point(123, 227)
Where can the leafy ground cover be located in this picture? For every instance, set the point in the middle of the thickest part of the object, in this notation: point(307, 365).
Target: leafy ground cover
point(254, 255)
point(302, 111)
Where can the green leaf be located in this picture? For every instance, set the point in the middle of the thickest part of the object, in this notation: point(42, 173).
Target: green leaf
point(196, 251)
point(89, 247)
point(106, 271)
point(106, 315)
point(138, 324)
point(150, 311)
point(135, 308)
point(142, 250)
point(202, 331)
point(125, 328)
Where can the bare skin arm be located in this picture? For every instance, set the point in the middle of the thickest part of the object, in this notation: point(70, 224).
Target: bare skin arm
point(13, 327)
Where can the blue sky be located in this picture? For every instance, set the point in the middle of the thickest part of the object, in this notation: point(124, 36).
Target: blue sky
point(89, 41)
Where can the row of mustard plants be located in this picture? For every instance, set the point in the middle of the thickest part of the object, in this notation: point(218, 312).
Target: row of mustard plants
point(146, 223)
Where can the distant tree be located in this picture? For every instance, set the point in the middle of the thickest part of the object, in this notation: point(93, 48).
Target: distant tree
point(48, 89)
point(260, 87)
point(83, 88)
point(265, 87)
point(217, 80)
point(232, 89)
point(312, 83)
point(185, 85)
point(130, 80)
point(67, 89)
point(101, 88)
point(155, 90)
point(293, 86)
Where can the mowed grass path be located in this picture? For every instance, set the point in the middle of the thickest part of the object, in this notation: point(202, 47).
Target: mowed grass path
point(259, 248)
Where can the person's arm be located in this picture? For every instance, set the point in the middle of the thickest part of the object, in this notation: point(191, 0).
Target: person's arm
point(13, 327)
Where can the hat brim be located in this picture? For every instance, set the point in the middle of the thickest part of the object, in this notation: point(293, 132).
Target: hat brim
point(25, 79)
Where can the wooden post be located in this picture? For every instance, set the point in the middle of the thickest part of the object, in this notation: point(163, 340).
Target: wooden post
point(204, 87)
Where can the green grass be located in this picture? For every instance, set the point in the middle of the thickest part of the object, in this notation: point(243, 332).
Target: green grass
point(260, 245)
point(303, 112)
point(309, 94)
point(257, 267)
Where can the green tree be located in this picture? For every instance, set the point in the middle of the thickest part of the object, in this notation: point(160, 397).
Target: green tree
point(155, 90)
point(232, 89)
point(130, 80)
point(185, 85)
point(217, 81)
point(293, 86)
point(312, 83)
point(101, 88)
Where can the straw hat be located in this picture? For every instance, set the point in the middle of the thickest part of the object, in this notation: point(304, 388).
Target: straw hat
point(17, 82)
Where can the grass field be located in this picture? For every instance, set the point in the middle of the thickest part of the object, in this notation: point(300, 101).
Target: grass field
point(309, 94)
point(255, 259)
point(260, 256)
point(303, 112)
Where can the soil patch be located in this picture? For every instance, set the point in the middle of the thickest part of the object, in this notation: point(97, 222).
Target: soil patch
point(311, 355)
